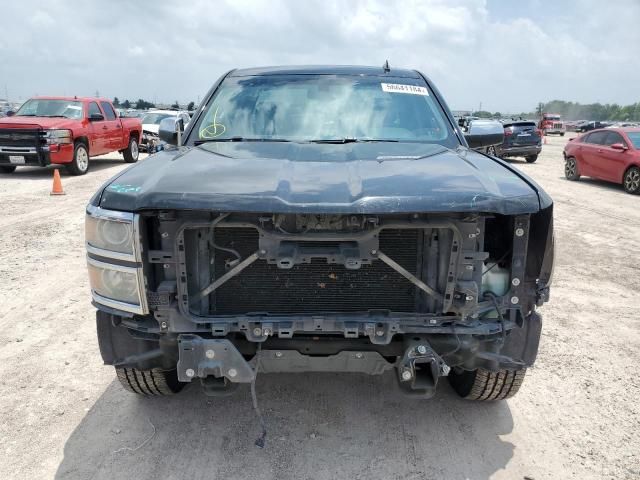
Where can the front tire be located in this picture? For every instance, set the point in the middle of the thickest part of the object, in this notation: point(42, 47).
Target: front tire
point(132, 152)
point(562, 134)
point(483, 385)
point(153, 382)
point(7, 169)
point(80, 163)
point(631, 181)
point(571, 171)
point(531, 158)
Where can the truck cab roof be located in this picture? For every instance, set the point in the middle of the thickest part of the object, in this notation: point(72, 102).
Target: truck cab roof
point(325, 70)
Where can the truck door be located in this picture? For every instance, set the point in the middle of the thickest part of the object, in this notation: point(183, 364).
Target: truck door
point(114, 128)
point(98, 140)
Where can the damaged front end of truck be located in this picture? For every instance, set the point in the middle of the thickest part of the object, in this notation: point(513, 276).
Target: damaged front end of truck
point(424, 295)
point(321, 219)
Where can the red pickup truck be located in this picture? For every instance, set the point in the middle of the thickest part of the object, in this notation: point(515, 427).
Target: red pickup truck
point(68, 131)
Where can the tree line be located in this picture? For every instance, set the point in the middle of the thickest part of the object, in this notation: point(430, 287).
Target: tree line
point(145, 105)
point(576, 111)
point(593, 111)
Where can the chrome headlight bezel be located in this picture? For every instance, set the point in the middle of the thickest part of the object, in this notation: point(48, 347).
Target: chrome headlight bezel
point(103, 255)
point(100, 246)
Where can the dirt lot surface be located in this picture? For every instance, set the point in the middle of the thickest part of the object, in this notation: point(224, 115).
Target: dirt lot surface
point(64, 415)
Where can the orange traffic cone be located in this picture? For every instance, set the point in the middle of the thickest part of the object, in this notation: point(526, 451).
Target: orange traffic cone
point(57, 184)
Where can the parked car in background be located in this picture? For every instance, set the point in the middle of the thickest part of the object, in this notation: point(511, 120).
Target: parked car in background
point(608, 154)
point(551, 123)
point(67, 131)
point(522, 138)
point(151, 123)
point(592, 125)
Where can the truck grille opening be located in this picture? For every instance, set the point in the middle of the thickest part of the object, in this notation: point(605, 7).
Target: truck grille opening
point(316, 287)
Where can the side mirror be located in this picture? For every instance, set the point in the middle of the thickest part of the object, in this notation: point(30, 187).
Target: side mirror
point(168, 131)
point(484, 133)
point(96, 117)
point(619, 146)
point(10, 113)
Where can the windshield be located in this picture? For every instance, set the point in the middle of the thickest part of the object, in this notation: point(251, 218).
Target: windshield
point(50, 108)
point(635, 139)
point(155, 118)
point(303, 108)
point(552, 117)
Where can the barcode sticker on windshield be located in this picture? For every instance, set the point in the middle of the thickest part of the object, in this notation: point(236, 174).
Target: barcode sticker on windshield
point(399, 88)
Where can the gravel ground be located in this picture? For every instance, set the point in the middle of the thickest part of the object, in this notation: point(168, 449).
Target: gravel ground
point(65, 416)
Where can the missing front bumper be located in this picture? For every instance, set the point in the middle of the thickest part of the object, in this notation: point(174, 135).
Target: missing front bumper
point(418, 369)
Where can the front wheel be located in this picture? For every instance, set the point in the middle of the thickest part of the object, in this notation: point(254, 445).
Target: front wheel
point(485, 385)
point(7, 169)
point(562, 134)
point(531, 158)
point(631, 180)
point(80, 163)
point(132, 152)
point(571, 169)
point(491, 151)
point(149, 382)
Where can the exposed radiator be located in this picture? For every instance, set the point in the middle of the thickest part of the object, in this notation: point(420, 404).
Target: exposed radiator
point(316, 287)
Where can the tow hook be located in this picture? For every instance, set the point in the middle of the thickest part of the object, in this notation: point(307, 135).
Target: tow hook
point(201, 357)
point(419, 370)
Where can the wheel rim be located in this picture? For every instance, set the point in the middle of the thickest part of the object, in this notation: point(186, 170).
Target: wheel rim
point(134, 149)
point(632, 180)
point(82, 159)
point(570, 168)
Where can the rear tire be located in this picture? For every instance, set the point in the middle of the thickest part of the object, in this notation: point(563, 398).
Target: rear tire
point(562, 134)
point(132, 152)
point(80, 163)
point(149, 382)
point(531, 158)
point(9, 169)
point(485, 385)
point(571, 171)
point(631, 181)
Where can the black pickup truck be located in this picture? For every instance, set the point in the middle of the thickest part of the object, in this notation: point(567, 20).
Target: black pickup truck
point(321, 219)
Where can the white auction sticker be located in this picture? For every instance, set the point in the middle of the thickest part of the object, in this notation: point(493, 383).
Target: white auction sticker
point(400, 88)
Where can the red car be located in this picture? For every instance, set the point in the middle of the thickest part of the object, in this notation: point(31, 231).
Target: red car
point(611, 154)
point(66, 130)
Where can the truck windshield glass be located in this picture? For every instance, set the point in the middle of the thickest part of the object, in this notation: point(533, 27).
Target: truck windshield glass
point(155, 118)
point(51, 108)
point(305, 108)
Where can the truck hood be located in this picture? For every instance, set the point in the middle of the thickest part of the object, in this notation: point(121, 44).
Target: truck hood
point(311, 178)
point(42, 122)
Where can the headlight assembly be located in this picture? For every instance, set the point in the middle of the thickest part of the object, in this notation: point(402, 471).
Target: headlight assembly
point(115, 267)
point(59, 136)
point(114, 285)
point(111, 234)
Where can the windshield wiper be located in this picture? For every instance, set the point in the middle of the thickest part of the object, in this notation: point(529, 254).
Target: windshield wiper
point(241, 139)
point(351, 140)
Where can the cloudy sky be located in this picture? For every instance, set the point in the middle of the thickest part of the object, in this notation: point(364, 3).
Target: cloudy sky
point(507, 54)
